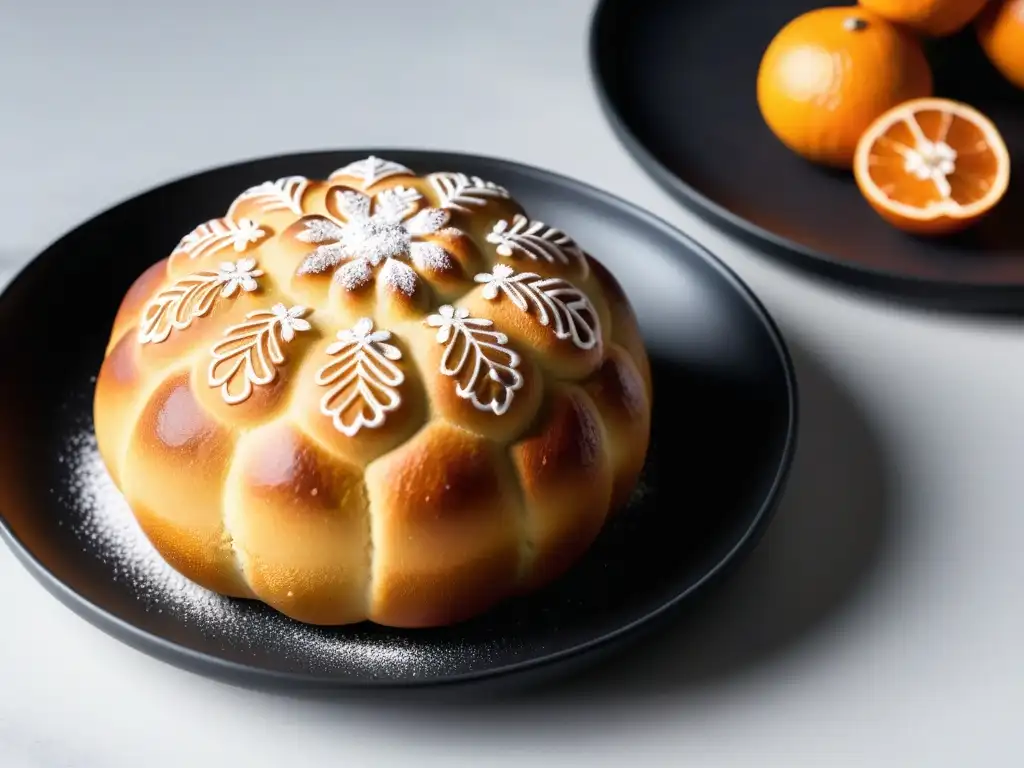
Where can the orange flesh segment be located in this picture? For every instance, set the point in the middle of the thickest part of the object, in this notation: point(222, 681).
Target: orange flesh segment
point(975, 165)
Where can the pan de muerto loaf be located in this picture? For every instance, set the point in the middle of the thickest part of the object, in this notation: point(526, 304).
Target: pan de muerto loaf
point(381, 397)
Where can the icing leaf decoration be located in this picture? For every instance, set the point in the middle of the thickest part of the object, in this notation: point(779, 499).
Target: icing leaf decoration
point(285, 194)
point(535, 240)
point(362, 378)
point(217, 234)
point(484, 368)
point(193, 296)
point(557, 303)
point(250, 352)
point(458, 191)
point(370, 170)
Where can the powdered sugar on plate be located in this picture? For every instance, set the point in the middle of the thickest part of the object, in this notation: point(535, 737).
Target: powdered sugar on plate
point(107, 528)
point(242, 631)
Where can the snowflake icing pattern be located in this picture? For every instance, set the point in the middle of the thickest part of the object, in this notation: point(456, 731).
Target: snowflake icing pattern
point(377, 232)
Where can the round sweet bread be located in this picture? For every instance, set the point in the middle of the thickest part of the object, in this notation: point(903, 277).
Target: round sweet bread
point(379, 396)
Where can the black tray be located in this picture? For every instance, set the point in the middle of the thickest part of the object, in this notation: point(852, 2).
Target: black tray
point(677, 79)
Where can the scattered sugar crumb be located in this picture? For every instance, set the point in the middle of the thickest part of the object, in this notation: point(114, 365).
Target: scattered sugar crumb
point(107, 528)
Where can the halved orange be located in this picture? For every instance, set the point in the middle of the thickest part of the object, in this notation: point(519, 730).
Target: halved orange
point(932, 166)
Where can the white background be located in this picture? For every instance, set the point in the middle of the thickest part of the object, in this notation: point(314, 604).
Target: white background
point(879, 624)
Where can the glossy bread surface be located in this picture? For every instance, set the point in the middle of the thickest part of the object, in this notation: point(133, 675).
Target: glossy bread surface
point(378, 395)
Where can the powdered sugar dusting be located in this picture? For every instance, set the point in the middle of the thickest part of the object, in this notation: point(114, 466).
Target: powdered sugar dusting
point(386, 238)
point(320, 231)
point(324, 258)
point(400, 277)
point(107, 528)
point(431, 257)
point(354, 275)
point(427, 221)
point(375, 239)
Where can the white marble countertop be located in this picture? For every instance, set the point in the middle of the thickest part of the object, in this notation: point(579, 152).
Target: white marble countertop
point(878, 624)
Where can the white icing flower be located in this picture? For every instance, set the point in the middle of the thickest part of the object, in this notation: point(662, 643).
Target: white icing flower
point(448, 318)
point(496, 281)
point(363, 336)
point(290, 320)
point(374, 231)
point(237, 275)
point(247, 231)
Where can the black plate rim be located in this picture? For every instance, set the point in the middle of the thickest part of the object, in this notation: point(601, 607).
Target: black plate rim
point(930, 291)
point(171, 652)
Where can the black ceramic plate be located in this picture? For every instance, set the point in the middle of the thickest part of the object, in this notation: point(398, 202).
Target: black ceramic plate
point(723, 439)
point(677, 79)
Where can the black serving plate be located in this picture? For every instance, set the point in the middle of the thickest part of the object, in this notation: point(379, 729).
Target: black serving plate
point(677, 79)
point(724, 430)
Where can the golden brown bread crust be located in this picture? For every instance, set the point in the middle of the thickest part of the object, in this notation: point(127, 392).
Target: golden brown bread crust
point(378, 396)
point(566, 477)
point(446, 528)
point(298, 520)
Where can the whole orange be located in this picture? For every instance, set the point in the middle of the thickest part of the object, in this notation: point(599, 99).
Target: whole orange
point(1000, 31)
point(829, 73)
point(934, 18)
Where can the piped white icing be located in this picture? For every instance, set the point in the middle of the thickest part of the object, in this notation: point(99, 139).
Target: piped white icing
point(250, 352)
point(537, 241)
point(557, 303)
point(285, 194)
point(370, 170)
point(459, 191)
point(218, 234)
point(194, 296)
point(362, 233)
point(476, 356)
point(362, 378)
point(378, 230)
